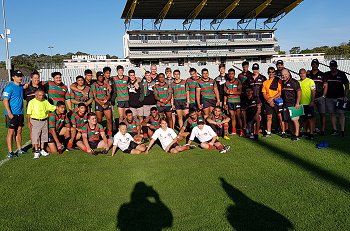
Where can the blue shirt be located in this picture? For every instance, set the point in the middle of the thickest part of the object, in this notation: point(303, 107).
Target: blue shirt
point(14, 94)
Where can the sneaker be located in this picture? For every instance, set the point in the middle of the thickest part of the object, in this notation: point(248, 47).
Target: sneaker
point(21, 151)
point(12, 155)
point(225, 149)
point(233, 134)
point(226, 138)
point(335, 133)
point(191, 146)
point(36, 155)
point(295, 138)
point(317, 130)
point(43, 152)
point(284, 135)
point(251, 137)
point(267, 135)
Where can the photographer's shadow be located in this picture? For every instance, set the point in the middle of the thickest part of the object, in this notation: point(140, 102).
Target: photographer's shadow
point(145, 211)
point(247, 214)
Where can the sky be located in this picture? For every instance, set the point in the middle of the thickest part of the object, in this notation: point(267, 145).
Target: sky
point(96, 27)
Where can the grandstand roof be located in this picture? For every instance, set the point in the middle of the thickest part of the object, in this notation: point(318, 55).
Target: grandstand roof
point(181, 9)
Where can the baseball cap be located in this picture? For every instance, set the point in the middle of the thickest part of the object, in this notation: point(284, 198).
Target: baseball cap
point(333, 63)
point(18, 73)
point(279, 62)
point(99, 73)
point(200, 121)
point(255, 66)
point(315, 61)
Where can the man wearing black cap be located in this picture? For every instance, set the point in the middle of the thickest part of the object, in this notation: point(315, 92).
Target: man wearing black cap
point(338, 89)
point(279, 68)
point(14, 114)
point(321, 91)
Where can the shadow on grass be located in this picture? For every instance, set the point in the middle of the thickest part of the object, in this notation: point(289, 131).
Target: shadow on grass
point(145, 211)
point(247, 214)
point(315, 170)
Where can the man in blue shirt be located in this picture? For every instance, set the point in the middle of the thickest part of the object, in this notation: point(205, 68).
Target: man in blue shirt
point(13, 102)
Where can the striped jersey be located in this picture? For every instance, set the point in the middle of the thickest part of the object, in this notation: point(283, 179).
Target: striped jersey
point(100, 90)
point(163, 91)
point(131, 126)
point(80, 97)
point(57, 121)
point(155, 121)
point(219, 118)
point(191, 123)
point(121, 87)
point(93, 135)
point(77, 120)
point(56, 92)
point(179, 90)
point(191, 85)
point(234, 85)
point(207, 88)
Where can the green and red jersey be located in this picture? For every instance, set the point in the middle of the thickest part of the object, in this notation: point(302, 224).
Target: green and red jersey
point(179, 90)
point(121, 88)
point(191, 123)
point(93, 135)
point(100, 90)
point(131, 126)
point(78, 121)
point(191, 85)
point(218, 119)
point(58, 121)
point(56, 92)
point(207, 88)
point(163, 92)
point(155, 121)
point(234, 85)
point(80, 96)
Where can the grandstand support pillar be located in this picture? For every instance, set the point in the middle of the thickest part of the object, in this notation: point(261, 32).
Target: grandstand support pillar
point(193, 15)
point(223, 15)
point(278, 16)
point(253, 14)
point(162, 14)
point(130, 14)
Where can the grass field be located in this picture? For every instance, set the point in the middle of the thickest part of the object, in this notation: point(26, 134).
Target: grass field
point(272, 184)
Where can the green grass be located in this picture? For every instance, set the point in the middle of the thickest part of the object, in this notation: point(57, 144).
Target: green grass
point(273, 184)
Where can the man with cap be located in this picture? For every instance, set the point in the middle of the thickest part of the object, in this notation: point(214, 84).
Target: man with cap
point(207, 137)
point(338, 89)
point(279, 68)
point(14, 114)
point(320, 93)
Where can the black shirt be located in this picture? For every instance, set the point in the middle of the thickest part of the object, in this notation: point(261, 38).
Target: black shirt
point(134, 95)
point(336, 84)
point(29, 93)
point(256, 85)
point(250, 106)
point(149, 92)
point(220, 82)
point(289, 92)
point(319, 80)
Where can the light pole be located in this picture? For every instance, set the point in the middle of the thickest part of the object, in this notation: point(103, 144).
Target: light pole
point(51, 47)
point(7, 40)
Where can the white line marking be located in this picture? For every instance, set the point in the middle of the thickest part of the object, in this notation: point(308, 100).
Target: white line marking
point(2, 162)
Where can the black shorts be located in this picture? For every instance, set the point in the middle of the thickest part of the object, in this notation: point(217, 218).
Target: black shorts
point(162, 109)
point(216, 141)
point(270, 110)
point(99, 108)
point(132, 146)
point(94, 144)
point(173, 146)
point(123, 104)
point(208, 102)
point(234, 106)
point(180, 104)
point(309, 111)
point(15, 122)
point(51, 139)
point(286, 114)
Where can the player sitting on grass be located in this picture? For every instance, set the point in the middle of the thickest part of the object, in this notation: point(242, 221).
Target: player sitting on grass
point(133, 125)
point(125, 142)
point(189, 124)
point(151, 123)
point(59, 129)
point(92, 132)
point(78, 121)
point(218, 121)
point(208, 138)
point(251, 107)
point(168, 139)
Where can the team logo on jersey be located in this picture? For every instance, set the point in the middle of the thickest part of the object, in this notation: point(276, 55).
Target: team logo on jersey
point(5, 94)
point(96, 133)
point(165, 88)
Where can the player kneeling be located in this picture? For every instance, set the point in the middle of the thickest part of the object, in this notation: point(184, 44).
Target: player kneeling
point(168, 139)
point(218, 121)
point(125, 142)
point(208, 138)
point(92, 132)
point(78, 121)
